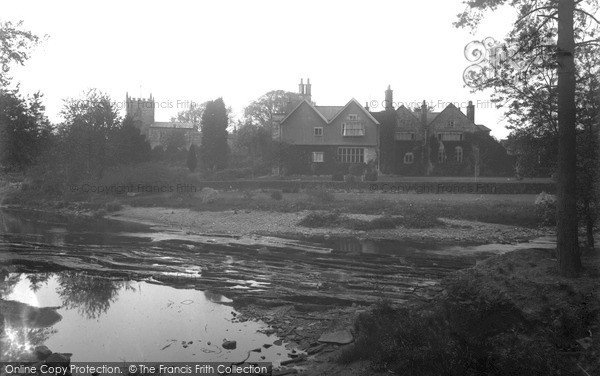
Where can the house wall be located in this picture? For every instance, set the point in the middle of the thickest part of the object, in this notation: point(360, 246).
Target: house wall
point(298, 128)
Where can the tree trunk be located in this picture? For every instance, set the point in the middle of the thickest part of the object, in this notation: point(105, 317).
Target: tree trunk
point(569, 260)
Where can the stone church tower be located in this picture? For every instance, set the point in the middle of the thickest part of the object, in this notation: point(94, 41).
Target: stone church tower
point(141, 110)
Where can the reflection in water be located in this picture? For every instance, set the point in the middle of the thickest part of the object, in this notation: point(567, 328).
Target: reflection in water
point(113, 320)
point(37, 280)
point(16, 343)
point(91, 296)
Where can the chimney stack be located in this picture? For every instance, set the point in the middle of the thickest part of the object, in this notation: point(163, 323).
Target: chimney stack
point(367, 106)
point(389, 99)
point(471, 111)
point(301, 87)
point(307, 90)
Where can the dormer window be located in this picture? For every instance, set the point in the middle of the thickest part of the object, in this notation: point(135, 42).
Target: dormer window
point(318, 131)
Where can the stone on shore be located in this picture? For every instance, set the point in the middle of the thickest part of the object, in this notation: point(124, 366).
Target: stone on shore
point(341, 337)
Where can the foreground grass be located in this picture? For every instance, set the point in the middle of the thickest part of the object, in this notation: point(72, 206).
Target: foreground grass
point(510, 315)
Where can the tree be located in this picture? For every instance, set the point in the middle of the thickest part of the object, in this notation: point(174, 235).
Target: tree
point(128, 144)
point(15, 46)
point(84, 133)
point(214, 148)
point(192, 159)
point(539, 22)
point(193, 114)
point(24, 129)
point(260, 111)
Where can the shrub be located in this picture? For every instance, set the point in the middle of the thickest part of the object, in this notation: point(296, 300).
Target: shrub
point(232, 174)
point(337, 176)
point(545, 207)
point(293, 189)
point(371, 176)
point(208, 195)
point(320, 219)
point(276, 195)
point(112, 206)
point(357, 169)
point(320, 195)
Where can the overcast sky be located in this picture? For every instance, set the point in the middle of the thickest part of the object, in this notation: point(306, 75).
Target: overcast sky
point(183, 51)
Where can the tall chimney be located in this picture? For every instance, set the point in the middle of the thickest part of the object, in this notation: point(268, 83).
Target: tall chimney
point(307, 90)
point(301, 87)
point(389, 99)
point(424, 114)
point(471, 111)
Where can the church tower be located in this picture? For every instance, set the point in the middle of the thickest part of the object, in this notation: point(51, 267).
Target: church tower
point(141, 110)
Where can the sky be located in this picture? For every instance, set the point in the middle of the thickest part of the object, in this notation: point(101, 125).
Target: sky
point(194, 51)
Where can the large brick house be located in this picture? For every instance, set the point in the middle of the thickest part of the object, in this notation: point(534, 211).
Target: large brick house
point(321, 138)
point(398, 141)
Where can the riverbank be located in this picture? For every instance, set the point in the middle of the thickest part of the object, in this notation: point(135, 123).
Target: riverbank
point(287, 225)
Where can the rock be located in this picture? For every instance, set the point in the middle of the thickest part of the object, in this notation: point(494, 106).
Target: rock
point(585, 342)
point(229, 345)
point(315, 349)
point(208, 195)
point(57, 359)
point(277, 342)
point(289, 371)
point(298, 359)
point(341, 337)
point(42, 352)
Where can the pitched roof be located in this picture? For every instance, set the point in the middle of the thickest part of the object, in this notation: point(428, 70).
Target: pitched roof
point(172, 125)
point(329, 112)
point(482, 127)
point(430, 115)
point(359, 106)
point(300, 104)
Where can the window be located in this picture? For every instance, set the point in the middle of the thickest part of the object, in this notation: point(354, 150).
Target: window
point(351, 155)
point(458, 151)
point(355, 128)
point(450, 136)
point(318, 131)
point(353, 117)
point(317, 156)
point(451, 123)
point(405, 136)
point(409, 158)
point(441, 155)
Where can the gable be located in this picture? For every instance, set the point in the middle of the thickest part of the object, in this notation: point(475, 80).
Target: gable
point(451, 119)
point(406, 120)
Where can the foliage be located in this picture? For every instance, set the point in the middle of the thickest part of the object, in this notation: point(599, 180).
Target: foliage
point(193, 114)
point(540, 83)
point(214, 150)
point(192, 159)
point(320, 195)
point(357, 169)
point(320, 219)
point(15, 47)
point(545, 207)
point(127, 144)
point(277, 195)
point(24, 130)
point(260, 112)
